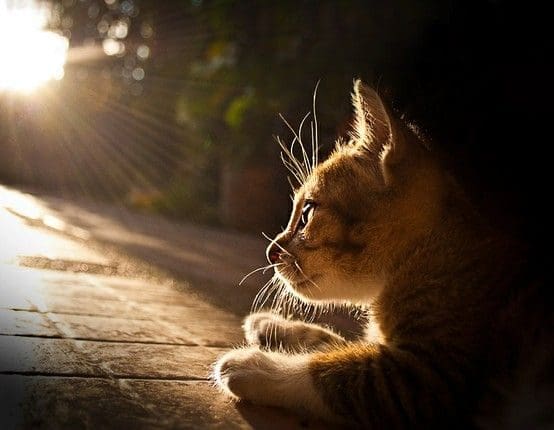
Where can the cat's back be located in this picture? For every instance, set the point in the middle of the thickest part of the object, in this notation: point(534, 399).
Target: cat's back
point(520, 390)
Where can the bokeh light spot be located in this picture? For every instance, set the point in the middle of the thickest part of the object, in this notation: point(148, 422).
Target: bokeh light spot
point(113, 47)
point(143, 52)
point(118, 30)
point(138, 74)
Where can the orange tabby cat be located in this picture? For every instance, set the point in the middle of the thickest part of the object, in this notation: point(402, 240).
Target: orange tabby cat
point(379, 223)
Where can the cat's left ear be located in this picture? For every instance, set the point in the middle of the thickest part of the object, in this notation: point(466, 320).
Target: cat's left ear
point(373, 131)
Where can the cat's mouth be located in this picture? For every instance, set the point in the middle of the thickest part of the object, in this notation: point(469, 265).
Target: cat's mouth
point(295, 276)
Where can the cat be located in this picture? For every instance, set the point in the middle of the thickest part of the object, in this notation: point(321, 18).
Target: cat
point(381, 224)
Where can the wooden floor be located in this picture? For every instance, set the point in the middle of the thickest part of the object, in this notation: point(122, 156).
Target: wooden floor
point(113, 320)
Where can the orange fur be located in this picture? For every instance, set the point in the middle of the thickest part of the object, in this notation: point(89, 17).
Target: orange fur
point(391, 228)
point(380, 223)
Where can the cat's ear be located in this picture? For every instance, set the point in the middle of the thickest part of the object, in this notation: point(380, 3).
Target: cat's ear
point(373, 129)
point(372, 125)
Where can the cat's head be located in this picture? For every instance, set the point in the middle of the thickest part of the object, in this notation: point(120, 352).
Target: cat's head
point(358, 211)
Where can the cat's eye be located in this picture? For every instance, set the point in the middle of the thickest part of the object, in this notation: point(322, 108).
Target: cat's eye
point(307, 214)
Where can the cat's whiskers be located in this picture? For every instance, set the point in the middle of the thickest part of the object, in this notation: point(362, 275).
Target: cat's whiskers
point(274, 242)
point(314, 132)
point(286, 303)
point(290, 166)
point(265, 292)
point(303, 165)
point(274, 291)
point(262, 269)
point(275, 307)
point(301, 168)
point(261, 293)
point(314, 147)
point(305, 157)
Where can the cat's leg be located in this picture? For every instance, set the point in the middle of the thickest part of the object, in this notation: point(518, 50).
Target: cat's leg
point(275, 332)
point(373, 385)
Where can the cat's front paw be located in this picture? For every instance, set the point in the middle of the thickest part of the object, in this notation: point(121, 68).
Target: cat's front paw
point(242, 373)
point(271, 379)
point(275, 332)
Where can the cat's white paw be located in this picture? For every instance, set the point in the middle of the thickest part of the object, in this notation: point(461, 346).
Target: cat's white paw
point(269, 378)
point(242, 372)
point(275, 332)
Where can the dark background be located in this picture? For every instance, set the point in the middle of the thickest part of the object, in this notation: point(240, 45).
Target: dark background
point(193, 139)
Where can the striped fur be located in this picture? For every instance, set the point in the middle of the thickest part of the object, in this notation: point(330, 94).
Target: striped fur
point(379, 223)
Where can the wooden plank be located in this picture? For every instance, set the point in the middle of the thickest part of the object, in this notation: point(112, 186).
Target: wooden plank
point(26, 355)
point(69, 403)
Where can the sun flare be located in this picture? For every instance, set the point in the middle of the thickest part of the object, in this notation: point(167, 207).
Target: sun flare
point(29, 55)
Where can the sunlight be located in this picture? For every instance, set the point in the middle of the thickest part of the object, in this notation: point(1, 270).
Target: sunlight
point(27, 207)
point(29, 55)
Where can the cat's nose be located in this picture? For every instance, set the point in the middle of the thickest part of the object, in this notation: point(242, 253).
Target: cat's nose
point(273, 253)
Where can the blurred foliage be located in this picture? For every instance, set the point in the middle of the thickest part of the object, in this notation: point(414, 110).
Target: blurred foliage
point(218, 73)
point(240, 64)
point(263, 58)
